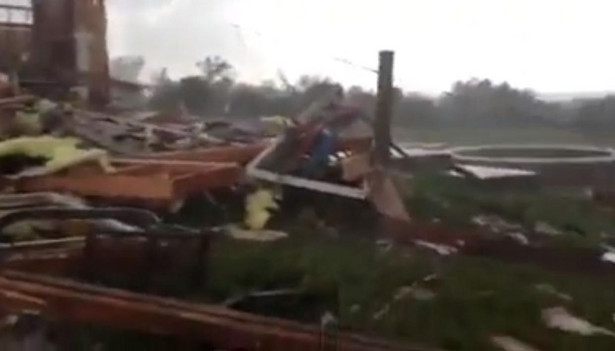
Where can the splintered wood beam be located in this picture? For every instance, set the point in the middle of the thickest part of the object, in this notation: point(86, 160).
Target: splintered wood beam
point(384, 108)
point(81, 303)
point(241, 154)
point(163, 182)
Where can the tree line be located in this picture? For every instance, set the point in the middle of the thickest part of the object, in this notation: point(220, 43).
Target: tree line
point(476, 103)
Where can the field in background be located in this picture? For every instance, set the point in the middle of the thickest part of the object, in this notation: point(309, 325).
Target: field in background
point(477, 136)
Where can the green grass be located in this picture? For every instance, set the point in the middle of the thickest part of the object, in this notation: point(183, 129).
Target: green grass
point(475, 298)
point(456, 202)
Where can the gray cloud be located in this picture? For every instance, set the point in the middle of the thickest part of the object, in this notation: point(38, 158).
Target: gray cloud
point(173, 34)
point(528, 43)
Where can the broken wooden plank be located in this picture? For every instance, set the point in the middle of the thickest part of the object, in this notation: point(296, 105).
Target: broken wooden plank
point(253, 171)
point(355, 167)
point(12, 301)
point(164, 183)
point(81, 303)
point(170, 166)
point(41, 244)
point(385, 197)
point(17, 100)
point(241, 154)
point(356, 145)
point(50, 262)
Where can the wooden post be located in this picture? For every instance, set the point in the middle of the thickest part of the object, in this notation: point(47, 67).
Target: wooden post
point(384, 107)
point(383, 193)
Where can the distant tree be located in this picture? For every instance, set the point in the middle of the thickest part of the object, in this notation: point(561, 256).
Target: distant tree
point(414, 110)
point(364, 99)
point(160, 77)
point(286, 85)
point(309, 89)
point(253, 100)
point(195, 93)
point(166, 95)
point(481, 103)
point(596, 115)
point(204, 94)
point(475, 103)
point(214, 68)
point(410, 110)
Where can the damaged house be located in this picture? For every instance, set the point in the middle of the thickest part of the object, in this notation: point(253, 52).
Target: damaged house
point(56, 44)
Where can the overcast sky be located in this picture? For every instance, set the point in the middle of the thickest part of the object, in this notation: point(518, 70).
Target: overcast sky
point(547, 45)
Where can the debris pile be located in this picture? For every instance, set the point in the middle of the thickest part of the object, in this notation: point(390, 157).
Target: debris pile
point(90, 196)
point(85, 195)
point(115, 218)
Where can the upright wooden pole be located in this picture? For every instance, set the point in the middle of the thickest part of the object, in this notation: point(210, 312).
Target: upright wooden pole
point(383, 194)
point(384, 108)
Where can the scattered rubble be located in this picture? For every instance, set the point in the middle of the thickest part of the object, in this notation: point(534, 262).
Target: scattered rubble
point(496, 224)
point(482, 172)
point(384, 245)
point(551, 290)
point(146, 313)
point(378, 315)
point(608, 257)
point(546, 228)
point(522, 239)
point(443, 250)
point(508, 343)
point(560, 318)
point(264, 235)
point(146, 163)
point(417, 293)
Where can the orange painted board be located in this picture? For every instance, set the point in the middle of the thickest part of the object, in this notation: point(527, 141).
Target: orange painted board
point(138, 182)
